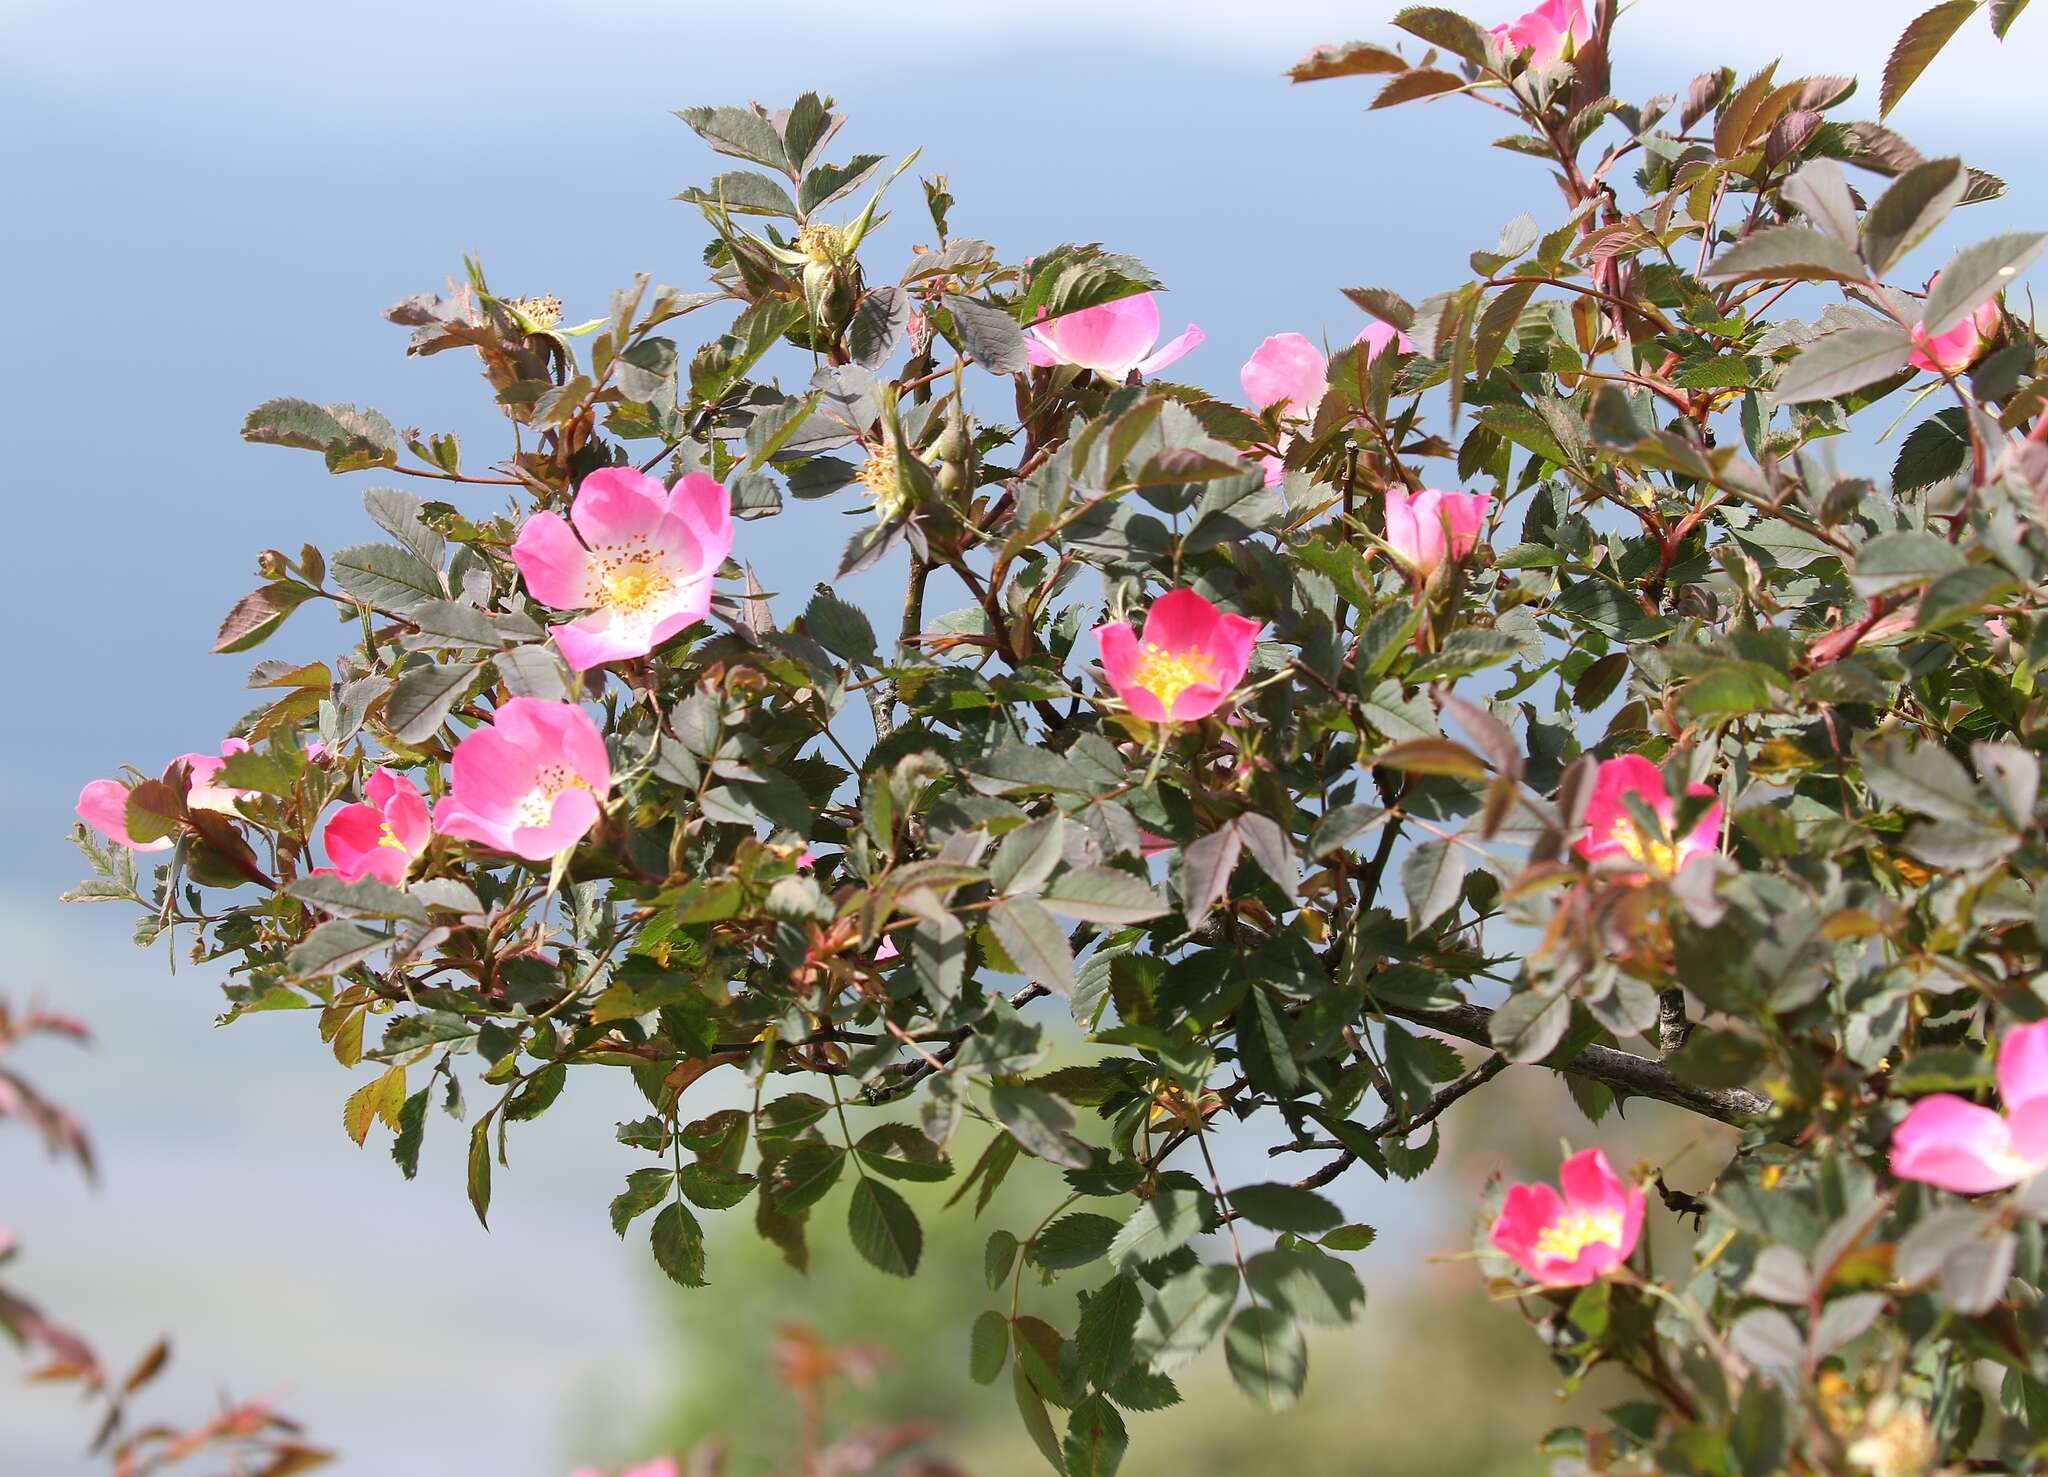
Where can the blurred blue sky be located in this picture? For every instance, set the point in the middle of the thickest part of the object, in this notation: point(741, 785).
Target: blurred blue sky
point(209, 204)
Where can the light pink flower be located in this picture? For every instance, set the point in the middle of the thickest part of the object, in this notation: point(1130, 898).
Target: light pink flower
point(1951, 1142)
point(1423, 528)
point(643, 566)
point(1111, 338)
point(1551, 32)
point(382, 835)
point(1959, 348)
point(103, 804)
point(1571, 1239)
point(1377, 335)
point(1286, 371)
point(531, 782)
point(888, 950)
point(1612, 829)
point(1185, 666)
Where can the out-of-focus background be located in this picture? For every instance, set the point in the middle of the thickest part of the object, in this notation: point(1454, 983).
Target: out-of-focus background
point(207, 205)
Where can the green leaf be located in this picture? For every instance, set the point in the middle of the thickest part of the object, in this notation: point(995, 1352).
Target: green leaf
point(1262, 1045)
point(1106, 1338)
point(1206, 865)
point(419, 704)
point(1528, 1026)
point(740, 132)
point(1040, 1122)
point(332, 946)
point(1445, 28)
point(2003, 14)
point(1267, 1356)
point(1937, 450)
point(1788, 253)
point(258, 614)
point(988, 1347)
point(1920, 777)
point(884, 1228)
point(412, 1131)
point(1160, 1226)
point(1352, 59)
point(800, 1178)
point(743, 192)
point(1073, 1241)
point(1975, 275)
point(367, 898)
point(988, 334)
point(1896, 561)
point(1096, 1439)
point(1921, 42)
point(901, 1152)
point(1031, 1406)
point(1184, 1316)
point(679, 1245)
point(1312, 1286)
point(1028, 855)
point(350, 439)
point(1036, 943)
point(840, 628)
point(1432, 879)
point(997, 1257)
point(1844, 361)
point(1907, 213)
point(1284, 1208)
point(479, 1170)
point(645, 1189)
point(385, 576)
point(1103, 895)
point(713, 1186)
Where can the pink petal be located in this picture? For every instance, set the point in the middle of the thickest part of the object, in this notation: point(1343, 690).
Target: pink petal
point(616, 504)
point(554, 565)
point(705, 508)
point(574, 813)
point(490, 774)
point(1286, 370)
point(590, 642)
point(354, 841)
point(1119, 647)
point(1109, 338)
point(1630, 774)
point(1190, 337)
point(1401, 532)
point(452, 818)
point(1377, 335)
point(2023, 1066)
point(1197, 700)
point(103, 805)
point(1181, 619)
point(1952, 1143)
point(559, 733)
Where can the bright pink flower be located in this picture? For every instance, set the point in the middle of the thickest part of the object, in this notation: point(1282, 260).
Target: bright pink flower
point(1423, 528)
point(1571, 1239)
point(643, 566)
point(1111, 338)
point(1548, 32)
point(103, 804)
point(1185, 666)
point(382, 835)
point(1286, 371)
point(530, 782)
point(1612, 828)
point(1954, 351)
point(1951, 1142)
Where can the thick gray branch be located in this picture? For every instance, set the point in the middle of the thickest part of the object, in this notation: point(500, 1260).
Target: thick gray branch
point(1636, 1076)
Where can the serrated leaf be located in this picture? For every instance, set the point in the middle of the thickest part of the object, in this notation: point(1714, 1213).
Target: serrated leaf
point(1975, 275)
point(678, 1242)
point(988, 1347)
point(1792, 253)
point(1920, 43)
point(1842, 362)
point(1267, 1356)
point(884, 1228)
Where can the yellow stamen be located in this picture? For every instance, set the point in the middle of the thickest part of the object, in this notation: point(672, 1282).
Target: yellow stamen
point(545, 311)
point(1167, 674)
point(388, 837)
point(634, 584)
point(1575, 1230)
point(1654, 852)
point(821, 243)
point(538, 808)
point(884, 487)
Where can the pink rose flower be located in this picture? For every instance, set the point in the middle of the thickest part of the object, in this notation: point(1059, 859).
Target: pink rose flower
point(1950, 1142)
point(1553, 31)
point(1185, 666)
point(103, 804)
point(1959, 348)
point(1377, 335)
point(643, 566)
point(1571, 1239)
point(531, 782)
point(381, 836)
point(1286, 371)
point(1110, 338)
point(1611, 827)
point(1424, 528)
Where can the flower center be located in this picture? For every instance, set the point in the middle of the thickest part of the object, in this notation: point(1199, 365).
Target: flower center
point(1571, 1233)
point(884, 487)
point(388, 837)
point(1167, 674)
point(630, 582)
point(821, 243)
point(545, 310)
point(553, 781)
point(1654, 852)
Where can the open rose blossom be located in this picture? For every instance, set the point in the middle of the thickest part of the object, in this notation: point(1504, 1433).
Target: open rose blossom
point(1951, 1142)
point(1424, 528)
point(1110, 338)
point(1185, 666)
point(1613, 830)
point(103, 804)
point(1959, 348)
point(381, 836)
point(1571, 1239)
point(530, 782)
point(1551, 32)
point(643, 564)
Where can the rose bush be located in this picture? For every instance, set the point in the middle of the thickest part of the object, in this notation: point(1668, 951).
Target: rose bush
point(1517, 684)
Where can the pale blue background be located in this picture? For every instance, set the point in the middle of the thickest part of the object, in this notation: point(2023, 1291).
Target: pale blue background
point(208, 204)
